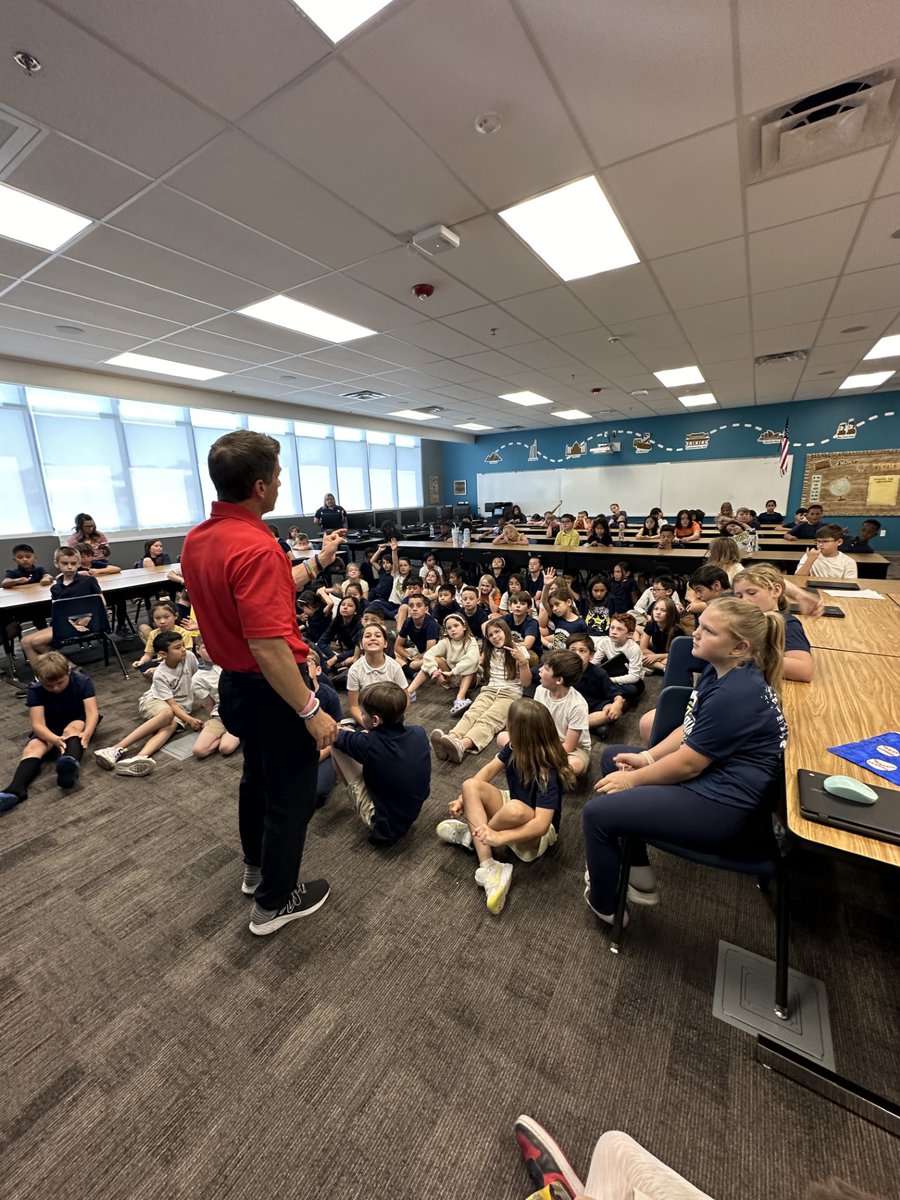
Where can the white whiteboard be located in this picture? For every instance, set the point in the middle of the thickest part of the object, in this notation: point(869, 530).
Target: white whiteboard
point(703, 483)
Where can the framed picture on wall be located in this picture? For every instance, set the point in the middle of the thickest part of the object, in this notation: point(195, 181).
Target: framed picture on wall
point(459, 487)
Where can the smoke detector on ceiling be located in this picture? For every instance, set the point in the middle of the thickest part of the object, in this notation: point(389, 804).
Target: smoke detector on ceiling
point(436, 240)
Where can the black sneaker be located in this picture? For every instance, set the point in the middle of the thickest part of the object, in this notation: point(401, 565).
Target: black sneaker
point(303, 900)
point(544, 1161)
point(67, 771)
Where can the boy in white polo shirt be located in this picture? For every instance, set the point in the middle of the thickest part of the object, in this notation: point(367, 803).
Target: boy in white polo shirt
point(828, 561)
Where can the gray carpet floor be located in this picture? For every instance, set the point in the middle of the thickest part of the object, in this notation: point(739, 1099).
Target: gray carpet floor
point(150, 1046)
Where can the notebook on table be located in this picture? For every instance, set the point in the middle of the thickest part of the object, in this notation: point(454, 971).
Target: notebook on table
point(830, 610)
point(880, 820)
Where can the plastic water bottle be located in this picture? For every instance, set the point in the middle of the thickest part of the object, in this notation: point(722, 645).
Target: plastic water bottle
point(454, 536)
point(466, 536)
point(431, 530)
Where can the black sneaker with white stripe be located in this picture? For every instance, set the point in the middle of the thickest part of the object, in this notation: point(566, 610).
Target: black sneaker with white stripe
point(303, 900)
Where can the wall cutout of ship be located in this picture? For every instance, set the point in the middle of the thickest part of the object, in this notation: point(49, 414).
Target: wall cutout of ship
point(846, 430)
point(493, 457)
point(533, 452)
point(696, 441)
point(576, 450)
point(769, 437)
point(643, 443)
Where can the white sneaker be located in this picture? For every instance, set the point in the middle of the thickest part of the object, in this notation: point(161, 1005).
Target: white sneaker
point(497, 887)
point(108, 757)
point(484, 872)
point(455, 832)
point(137, 766)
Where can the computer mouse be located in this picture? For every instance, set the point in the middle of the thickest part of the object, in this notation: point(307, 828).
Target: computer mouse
point(850, 789)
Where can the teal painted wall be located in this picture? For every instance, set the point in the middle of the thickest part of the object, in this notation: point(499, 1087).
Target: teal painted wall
point(813, 424)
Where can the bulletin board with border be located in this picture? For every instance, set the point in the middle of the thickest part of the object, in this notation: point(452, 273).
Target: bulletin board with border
point(855, 483)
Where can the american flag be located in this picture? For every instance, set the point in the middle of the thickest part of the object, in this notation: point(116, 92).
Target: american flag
point(785, 444)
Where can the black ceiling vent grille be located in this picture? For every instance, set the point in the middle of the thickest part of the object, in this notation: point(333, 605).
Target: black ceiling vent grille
point(786, 356)
point(364, 395)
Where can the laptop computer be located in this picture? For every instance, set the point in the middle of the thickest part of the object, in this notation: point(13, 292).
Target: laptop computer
point(844, 585)
point(880, 820)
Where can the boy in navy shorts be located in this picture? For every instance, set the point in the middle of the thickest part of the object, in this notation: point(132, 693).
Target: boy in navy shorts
point(64, 714)
point(387, 768)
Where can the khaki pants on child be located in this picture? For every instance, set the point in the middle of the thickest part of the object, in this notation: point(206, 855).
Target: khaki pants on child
point(485, 717)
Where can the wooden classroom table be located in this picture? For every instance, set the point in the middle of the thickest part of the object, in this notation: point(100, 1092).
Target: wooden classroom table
point(867, 627)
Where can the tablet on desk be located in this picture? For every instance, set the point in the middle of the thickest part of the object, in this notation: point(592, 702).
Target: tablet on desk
point(880, 820)
point(830, 610)
point(844, 585)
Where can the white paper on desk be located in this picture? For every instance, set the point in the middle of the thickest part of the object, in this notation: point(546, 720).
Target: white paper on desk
point(863, 594)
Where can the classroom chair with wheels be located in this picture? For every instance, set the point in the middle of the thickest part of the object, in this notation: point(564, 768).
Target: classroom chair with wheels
point(80, 620)
point(681, 666)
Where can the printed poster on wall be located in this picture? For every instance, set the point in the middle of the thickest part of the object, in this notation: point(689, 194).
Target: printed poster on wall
point(854, 483)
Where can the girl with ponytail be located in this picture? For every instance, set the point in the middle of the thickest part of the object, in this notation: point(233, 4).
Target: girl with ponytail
point(699, 786)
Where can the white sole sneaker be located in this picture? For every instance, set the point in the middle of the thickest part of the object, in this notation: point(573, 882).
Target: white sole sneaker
point(647, 899)
point(456, 833)
point(107, 758)
point(136, 767)
point(497, 889)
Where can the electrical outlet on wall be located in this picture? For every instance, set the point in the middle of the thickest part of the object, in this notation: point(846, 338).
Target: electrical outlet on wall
point(882, 532)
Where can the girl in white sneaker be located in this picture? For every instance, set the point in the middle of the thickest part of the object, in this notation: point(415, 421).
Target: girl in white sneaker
point(525, 815)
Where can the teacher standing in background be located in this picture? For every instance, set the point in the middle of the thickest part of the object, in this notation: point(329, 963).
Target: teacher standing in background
point(243, 590)
point(330, 516)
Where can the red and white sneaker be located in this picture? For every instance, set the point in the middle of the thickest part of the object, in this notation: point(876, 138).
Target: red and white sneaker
point(544, 1160)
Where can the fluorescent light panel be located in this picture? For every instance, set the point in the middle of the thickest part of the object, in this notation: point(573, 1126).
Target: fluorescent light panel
point(680, 377)
point(571, 414)
point(699, 401)
point(887, 347)
point(573, 229)
point(338, 18)
point(413, 414)
point(526, 399)
point(872, 380)
point(35, 222)
point(303, 318)
point(163, 366)
point(473, 426)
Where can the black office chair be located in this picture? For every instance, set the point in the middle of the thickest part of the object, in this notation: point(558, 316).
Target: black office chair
point(80, 620)
point(681, 664)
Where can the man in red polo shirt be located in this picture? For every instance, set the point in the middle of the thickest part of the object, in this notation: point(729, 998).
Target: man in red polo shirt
point(243, 590)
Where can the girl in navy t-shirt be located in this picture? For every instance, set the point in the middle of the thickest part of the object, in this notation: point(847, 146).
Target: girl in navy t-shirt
point(623, 593)
point(764, 586)
point(525, 816)
point(699, 786)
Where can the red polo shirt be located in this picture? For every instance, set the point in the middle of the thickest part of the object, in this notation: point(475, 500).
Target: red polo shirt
point(240, 585)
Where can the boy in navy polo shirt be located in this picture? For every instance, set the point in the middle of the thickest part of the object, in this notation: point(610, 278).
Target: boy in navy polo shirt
point(421, 629)
point(520, 621)
point(475, 613)
point(64, 714)
point(387, 769)
point(69, 584)
point(25, 570)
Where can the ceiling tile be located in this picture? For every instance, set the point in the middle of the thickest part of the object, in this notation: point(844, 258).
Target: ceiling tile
point(490, 325)
point(337, 130)
point(649, 333)
point(805, 302)
point(354, 301)
point(438, 339)
point(396, 272)
point(392, 349)
point(709, 321)
point(542, 354)
point(624, 295)
point(494, 262)
point(890, 176)
point(457, 71)
point(874, 326)
point(551, 311)
point(788, 337)
point(638, 99)
point(875, 246)
point(75, 310)
point(454, 372)
point(53, 350)
point(237, 177)
point(136, 259)
point(229, 63)
point(196, 358)
point(866, 290)
point(592, 346)
point(816, 190)
point(63, 100)
point(181, 224)
point(261, 333)
point(721, 349)
point(844, 354)
point(201, 338)
point(40, 323)
point(645, 204)
point(17, 259)
point(834, 48)
point(68, 276)
point(65, 173)
point(802, 251)
point(346, 357)
point(491, 362)
point(705, 275)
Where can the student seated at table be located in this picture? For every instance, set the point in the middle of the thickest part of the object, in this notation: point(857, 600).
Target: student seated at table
point(603, 701)
point(766, 588)
point(582, 520)
point(385, 766)
point(747, 517)
point(707, 583)
point(599, 534)
point(568, 535)
point(444, 532)
point(91, 565)
point(525, 815)
point(205, 691)
point(516, 514)
point(657, 635)
point(686, 528)
point(620, 656)
point(623, 591)
point(860, 544)
point(450, 662)
point(26, 569)
point(746, 539)
point(87, 531)
point(810, 525)
point(666, 537)
point(661, 587)
point(164, 615)
point(771, 516)
point(154, 555)
point(373, 667)
point(549, 520)
point(724, 553)
point(649, 530)
point(827, 561)
point(724, 515)
point(510, 536)
point(700, 786)
point(165, 708)
point(62, 707)
point(69, 584)
point(617, 516)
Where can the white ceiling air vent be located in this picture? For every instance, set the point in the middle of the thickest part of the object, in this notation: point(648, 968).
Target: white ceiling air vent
point(17, 137)
point(839, 120)
point(786, 356)
point(364, 395)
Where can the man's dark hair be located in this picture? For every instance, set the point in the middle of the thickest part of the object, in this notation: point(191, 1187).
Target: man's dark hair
point(384, 700)
point(237, 460)
point(24, 547)
point(163, 641)
point(707, 575)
